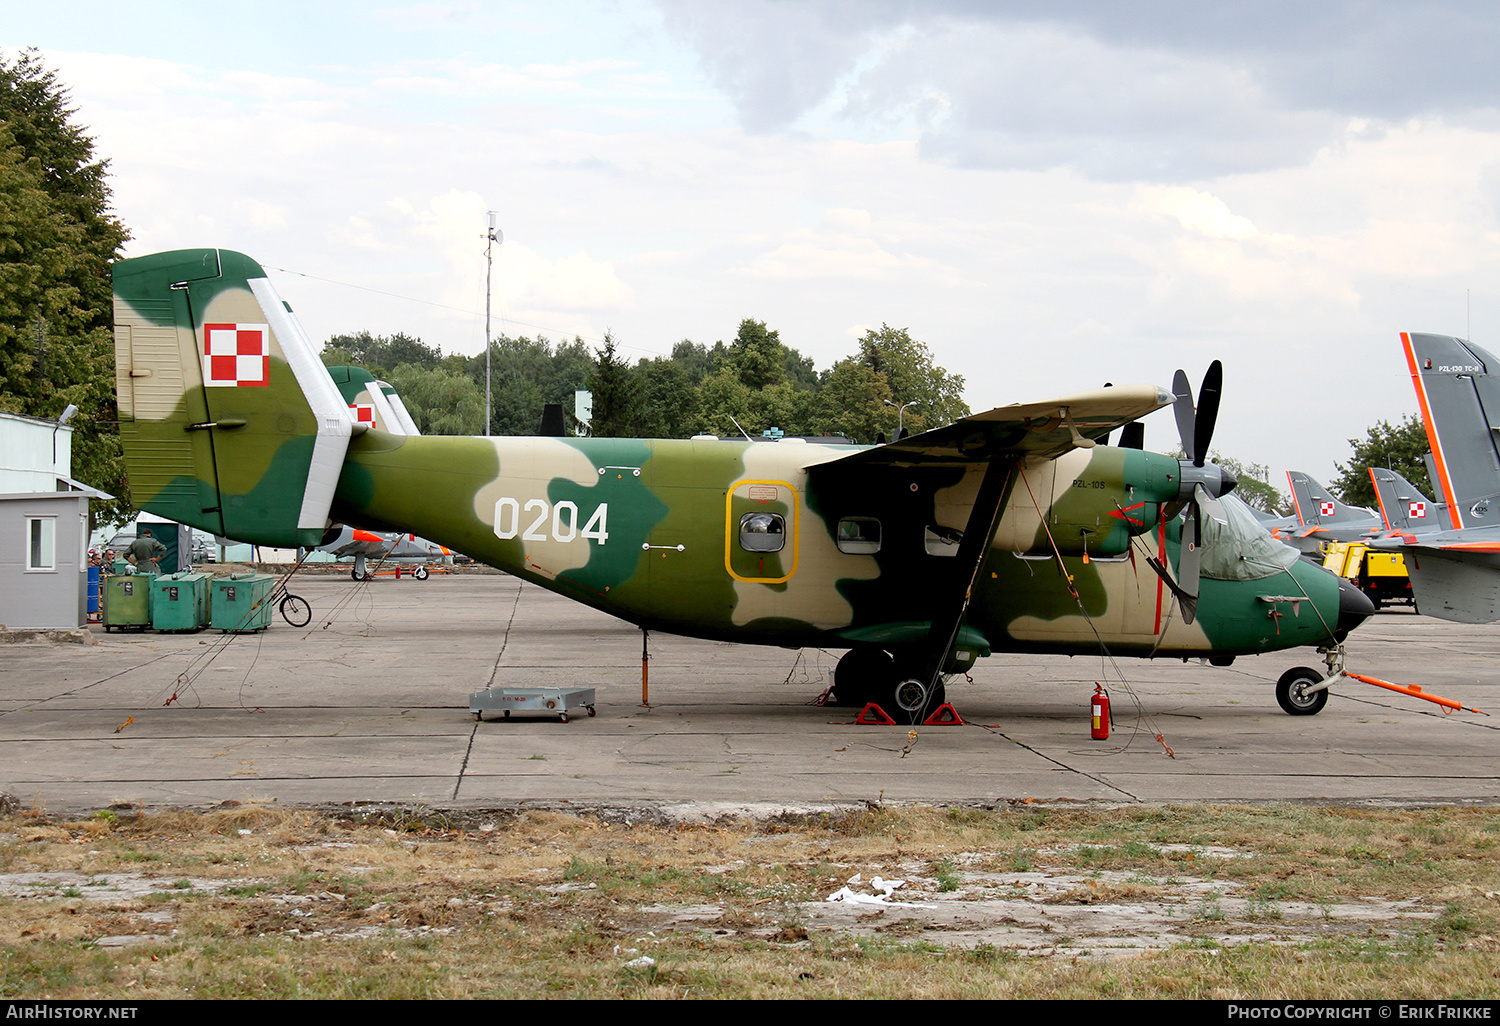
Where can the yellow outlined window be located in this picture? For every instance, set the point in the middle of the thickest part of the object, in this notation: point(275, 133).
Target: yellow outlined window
point(753, 510)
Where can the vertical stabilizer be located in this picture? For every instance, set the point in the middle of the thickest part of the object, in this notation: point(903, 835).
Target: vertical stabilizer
point(229, 421)
point(1403, 506)
point(1460, 403)
point(1316, 505)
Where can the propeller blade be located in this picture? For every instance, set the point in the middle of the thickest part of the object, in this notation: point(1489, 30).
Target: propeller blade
point(1133, 435)
point(1210, 504)
point(1187, 566)
point(1208, 411)
point(1182, 408)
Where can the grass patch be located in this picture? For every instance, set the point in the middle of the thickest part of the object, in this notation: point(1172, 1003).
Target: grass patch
point(261, 901)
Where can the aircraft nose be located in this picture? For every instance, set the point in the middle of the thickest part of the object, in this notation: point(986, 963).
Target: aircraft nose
point(1354, 607)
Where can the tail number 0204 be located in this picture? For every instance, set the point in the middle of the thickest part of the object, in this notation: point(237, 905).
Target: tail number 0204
point(546, 521)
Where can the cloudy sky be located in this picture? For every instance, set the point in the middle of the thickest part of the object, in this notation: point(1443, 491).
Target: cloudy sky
point(1051, 195)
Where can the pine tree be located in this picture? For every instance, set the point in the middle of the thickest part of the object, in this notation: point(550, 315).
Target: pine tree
point(57, 239)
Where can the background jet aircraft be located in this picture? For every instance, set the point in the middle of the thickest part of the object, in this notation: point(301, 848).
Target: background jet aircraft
point(1455, 573)
point(1404, 507)
point(1009, 530)
point(387, 547)
point(1321, 515)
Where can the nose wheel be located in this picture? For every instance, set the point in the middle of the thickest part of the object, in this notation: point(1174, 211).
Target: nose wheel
point(1296, 694)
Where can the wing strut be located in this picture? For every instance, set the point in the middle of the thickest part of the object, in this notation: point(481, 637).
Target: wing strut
point(955, 594)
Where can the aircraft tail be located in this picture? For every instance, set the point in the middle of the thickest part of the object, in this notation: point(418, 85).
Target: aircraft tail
point(373, 403)
point(1315, 505)
point(1460, 402)
point(1402, 504)
point(229, 420)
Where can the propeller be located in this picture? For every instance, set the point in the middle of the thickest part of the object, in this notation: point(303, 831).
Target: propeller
point(1201, 482)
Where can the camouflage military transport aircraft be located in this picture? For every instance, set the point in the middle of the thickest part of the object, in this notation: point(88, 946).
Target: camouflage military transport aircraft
point(1455, 572)
point(1010, 530)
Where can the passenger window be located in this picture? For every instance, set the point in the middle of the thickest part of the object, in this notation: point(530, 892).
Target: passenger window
point(942, 541)
point(859, 536)
point(762, 532)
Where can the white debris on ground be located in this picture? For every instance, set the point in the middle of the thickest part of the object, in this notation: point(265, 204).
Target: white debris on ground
point(883, 890)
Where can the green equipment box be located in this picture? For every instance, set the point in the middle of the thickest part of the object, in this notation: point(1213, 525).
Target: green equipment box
point(241, 602)
point(180, 601)
point(127, 602)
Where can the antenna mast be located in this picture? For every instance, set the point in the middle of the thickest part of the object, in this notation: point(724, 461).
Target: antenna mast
point(491, 236)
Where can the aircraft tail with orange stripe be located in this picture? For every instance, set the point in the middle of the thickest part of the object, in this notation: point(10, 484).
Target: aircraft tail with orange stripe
point(1458, 390)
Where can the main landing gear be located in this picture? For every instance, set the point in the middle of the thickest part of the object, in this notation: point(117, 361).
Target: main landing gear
point(896, 685)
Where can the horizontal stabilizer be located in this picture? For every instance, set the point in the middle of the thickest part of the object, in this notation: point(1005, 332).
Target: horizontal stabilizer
point(1465, 591)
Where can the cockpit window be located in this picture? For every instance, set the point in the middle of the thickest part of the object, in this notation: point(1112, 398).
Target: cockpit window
point(1241, 550)
point(762, 532)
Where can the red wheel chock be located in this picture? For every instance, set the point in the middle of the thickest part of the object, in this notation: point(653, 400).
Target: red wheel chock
point(878, 716)
point(944, 716)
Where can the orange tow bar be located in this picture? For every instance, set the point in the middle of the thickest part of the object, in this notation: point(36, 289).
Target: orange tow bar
point(1415, 691)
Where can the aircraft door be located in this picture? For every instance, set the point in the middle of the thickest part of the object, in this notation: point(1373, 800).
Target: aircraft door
point(760, 531)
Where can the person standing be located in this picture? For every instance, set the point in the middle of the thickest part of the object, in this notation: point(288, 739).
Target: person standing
point(145, 553)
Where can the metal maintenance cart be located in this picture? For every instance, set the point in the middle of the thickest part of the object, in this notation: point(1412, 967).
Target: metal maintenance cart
point(546, 701)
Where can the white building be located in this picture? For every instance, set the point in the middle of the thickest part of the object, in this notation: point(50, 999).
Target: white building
point(44, 526)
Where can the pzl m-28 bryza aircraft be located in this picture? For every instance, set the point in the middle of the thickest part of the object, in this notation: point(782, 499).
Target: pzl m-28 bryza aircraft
point(1010, 530)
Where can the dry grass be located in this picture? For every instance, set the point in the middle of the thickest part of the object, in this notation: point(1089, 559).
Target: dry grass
point(1244, 902)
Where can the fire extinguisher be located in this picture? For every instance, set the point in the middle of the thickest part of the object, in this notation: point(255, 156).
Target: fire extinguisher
point(1099, 713)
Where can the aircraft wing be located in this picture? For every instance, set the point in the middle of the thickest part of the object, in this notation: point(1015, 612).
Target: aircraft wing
point(1031, 431)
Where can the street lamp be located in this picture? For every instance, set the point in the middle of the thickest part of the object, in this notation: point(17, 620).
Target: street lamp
point(900, 416)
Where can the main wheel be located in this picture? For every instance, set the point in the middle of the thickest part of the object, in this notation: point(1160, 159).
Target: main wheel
point(420, 573)
point(1292, 692)
point(295, 610)
point(861, 675)
point(913, 699)
point(355, 575)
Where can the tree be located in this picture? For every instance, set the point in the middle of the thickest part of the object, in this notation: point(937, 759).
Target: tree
point(526, 374)
point(615, 394)
point(442, 400)
point(757, 354)
point(57, 239)
point(380, 354)
point(853, 402)
point(934, 395)
point(1254, 487)
point(1400, 448)
point(666, 401)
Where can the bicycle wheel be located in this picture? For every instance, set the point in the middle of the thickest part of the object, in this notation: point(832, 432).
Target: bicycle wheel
point(296, 611)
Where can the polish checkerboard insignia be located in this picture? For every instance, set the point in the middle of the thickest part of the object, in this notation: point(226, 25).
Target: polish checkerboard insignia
point(364, 413)
point(1325, 509)
point(236, 355)
point(1417, 509)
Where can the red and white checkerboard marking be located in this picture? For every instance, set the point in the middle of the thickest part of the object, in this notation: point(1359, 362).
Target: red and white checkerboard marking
point(1417, 509)
point(1325, 509)
point(364, 413)
point(236, 354)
